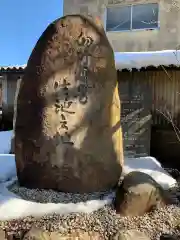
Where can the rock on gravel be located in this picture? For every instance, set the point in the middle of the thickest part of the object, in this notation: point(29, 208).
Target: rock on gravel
point(137, 194)
point(39, 234)
point(105, 221)
point(50, 196)
point(2, 235)
point(130, 235)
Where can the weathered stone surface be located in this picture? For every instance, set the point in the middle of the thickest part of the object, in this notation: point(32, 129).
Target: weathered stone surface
point(67, 131)
point(39, 234)
point(80, 235)
point(2, 235)
point(139, 193)
point(130, 235)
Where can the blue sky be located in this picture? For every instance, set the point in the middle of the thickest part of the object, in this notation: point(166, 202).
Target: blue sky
point(21, 24)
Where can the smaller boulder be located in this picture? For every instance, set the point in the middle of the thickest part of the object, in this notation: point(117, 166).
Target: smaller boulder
point(81, 235)
point(130, 235)
point(138, 193)
point(39, 234)
point(2, 235)
point(36, 234)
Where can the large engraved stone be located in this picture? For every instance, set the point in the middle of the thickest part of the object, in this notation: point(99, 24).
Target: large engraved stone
point(67, 131)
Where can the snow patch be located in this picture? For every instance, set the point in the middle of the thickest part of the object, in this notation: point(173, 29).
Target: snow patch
point(129, 60)
point(13, 207)
point(152, 167)
point(5, 141)
point(7, 167)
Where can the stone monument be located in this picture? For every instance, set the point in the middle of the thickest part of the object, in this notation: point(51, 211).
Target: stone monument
point(67, 132)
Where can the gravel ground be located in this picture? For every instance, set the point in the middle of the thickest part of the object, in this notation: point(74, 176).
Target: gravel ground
point(50, 196)
point(105, 220)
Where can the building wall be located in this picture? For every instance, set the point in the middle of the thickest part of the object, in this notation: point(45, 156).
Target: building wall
point(3, 78)
point(1, 92)
point(167, 37)
point(11, 87)
point(9, 82)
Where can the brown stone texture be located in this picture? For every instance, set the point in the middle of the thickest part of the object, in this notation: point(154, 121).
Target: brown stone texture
point(2, 235)
point(67, 129)
point(138, 194)
point(39, 234)
point(130, 235)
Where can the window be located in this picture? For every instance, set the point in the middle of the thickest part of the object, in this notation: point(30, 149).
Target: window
point(141, 16)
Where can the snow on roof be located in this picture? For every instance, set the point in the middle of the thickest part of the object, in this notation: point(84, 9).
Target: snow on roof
point(12, 67)
point(129, 60)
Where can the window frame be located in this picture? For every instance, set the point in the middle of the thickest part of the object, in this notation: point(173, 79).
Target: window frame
point(131, 7)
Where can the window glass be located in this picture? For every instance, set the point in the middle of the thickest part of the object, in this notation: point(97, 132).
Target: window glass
point(145, 16)
point(118, 18)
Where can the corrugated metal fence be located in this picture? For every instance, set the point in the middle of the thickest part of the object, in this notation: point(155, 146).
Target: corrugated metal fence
point(165, 90)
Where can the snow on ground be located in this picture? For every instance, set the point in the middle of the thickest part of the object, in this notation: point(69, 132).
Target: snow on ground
point(129, 60)
point(7, 167)
point(13, 207)
point(152, 167)
point(5, 141)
